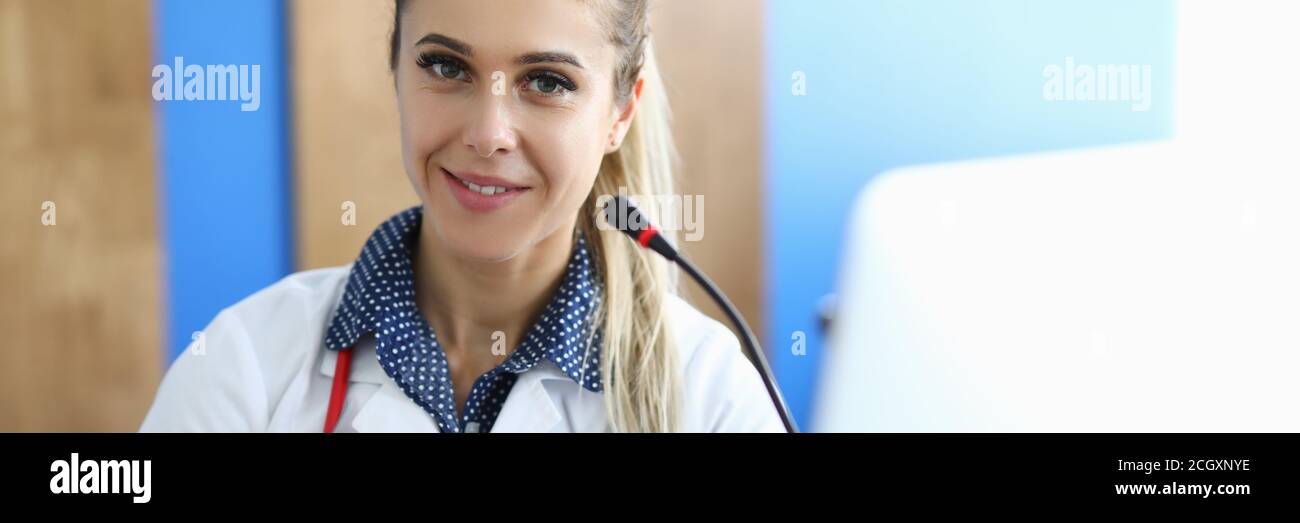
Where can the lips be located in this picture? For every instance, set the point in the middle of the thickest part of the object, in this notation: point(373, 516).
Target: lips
point(480, 193)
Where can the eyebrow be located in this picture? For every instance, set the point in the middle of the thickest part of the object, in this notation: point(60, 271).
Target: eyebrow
point(448, 42)
point(551, 57)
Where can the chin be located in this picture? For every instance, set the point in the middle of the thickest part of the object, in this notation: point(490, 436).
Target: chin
point(487, 242)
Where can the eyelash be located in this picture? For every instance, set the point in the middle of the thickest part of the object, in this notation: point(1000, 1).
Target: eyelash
point(428, 61)
point(560, 81)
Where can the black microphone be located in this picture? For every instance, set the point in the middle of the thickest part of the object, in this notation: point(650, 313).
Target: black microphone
point(622, 215)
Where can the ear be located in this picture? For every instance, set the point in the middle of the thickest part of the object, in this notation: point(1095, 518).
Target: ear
point(624, 121)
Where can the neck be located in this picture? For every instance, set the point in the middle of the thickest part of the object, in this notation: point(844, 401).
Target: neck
point(467, 300)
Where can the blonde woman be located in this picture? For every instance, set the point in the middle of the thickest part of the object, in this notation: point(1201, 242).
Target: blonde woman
point(497, 305)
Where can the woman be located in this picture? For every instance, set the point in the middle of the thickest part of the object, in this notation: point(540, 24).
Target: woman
point(497, 304)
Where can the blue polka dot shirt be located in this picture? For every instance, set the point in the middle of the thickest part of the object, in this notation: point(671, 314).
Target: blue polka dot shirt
point(380, 299)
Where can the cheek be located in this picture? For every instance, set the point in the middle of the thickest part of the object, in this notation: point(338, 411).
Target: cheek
point(568, 153)
point(426, 126)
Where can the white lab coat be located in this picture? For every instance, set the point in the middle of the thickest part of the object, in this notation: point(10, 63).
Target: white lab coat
point(262, 366)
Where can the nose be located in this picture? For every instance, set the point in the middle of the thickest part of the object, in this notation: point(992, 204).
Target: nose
point(491, 130)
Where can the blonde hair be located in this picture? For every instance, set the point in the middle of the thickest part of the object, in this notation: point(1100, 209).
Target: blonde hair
point(639, 356)
point(642, 387)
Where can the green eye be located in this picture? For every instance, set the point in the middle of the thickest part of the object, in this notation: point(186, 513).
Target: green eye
point(449, 71)
point(546, 85)
point(550, 84)
point(444, 67)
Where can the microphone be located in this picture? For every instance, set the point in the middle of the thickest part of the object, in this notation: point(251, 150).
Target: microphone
point(622, 215)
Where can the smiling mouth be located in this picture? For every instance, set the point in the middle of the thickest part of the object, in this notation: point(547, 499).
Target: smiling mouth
point(486, 190)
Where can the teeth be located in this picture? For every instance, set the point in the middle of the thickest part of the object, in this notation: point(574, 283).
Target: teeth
point(486, 190)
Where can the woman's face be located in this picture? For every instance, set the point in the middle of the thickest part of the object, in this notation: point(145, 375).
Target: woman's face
point(507, 108)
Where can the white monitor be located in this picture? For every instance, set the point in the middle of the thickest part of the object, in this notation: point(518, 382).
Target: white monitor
point(1140, 288)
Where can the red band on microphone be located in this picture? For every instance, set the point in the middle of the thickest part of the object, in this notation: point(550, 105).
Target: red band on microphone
point(646, 235)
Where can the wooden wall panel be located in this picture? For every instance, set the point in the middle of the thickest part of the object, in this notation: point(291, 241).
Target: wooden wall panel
point(346, 135)
point(711, 54)
point(81, 310)
point(348, 146)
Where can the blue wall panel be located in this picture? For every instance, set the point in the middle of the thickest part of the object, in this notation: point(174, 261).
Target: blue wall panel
point(224, 171)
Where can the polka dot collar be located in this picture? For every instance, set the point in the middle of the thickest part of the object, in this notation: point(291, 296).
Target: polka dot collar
point(380, 299)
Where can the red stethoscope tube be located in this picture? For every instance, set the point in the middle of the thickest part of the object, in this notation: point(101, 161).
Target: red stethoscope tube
point(342, 367)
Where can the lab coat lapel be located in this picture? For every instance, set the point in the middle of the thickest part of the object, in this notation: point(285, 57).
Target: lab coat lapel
point(388, 409)
point(531, 406)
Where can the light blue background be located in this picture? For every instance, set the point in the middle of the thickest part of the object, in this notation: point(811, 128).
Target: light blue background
point(892, 83)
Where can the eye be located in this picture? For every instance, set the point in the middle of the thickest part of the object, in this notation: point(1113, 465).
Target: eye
point(547, 83)
point(443, 66)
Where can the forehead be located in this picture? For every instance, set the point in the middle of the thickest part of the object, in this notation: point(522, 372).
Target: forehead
point(503, 29)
